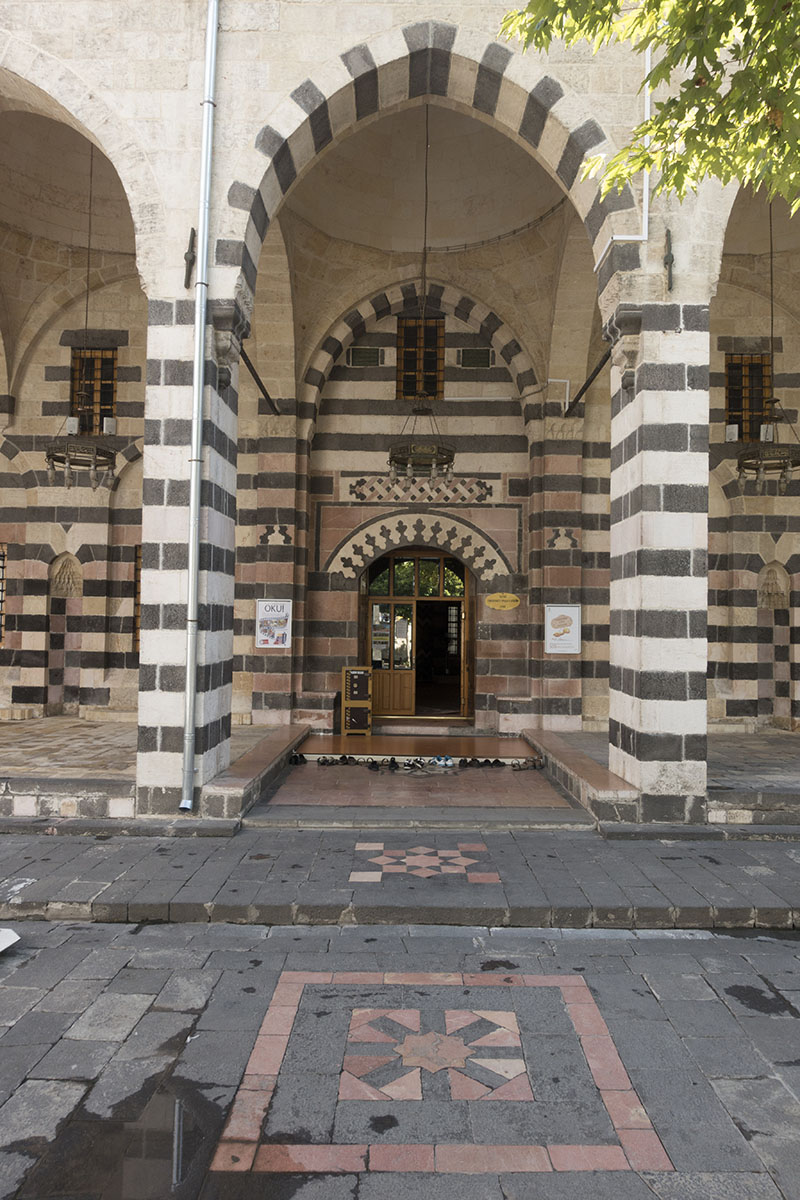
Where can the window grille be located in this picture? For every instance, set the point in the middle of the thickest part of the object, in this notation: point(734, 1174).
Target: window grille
point(420, 358)
point(93, 387)
point(137, 597)
point(3, 559)
point(748, 393)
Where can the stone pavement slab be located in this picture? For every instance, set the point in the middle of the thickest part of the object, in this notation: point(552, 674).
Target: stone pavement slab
point(453, 1062)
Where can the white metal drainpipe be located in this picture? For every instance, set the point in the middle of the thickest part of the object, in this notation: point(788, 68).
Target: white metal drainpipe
point(645, 234)
point(198, 382)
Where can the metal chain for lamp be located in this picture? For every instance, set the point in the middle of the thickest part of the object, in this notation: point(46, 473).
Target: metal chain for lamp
point(83, 450)
point(759, 459)
point(421, 452)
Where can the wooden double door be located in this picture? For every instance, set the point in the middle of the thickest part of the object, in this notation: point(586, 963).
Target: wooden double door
point(418, 634)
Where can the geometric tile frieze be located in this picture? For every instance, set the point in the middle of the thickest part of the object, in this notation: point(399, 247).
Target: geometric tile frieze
point(465, 489)
point(406, 1063)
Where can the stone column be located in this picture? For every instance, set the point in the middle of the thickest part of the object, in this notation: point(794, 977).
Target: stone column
point(165, 527)
point(659, 523)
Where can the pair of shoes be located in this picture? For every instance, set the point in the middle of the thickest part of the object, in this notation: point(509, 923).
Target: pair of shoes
point(473, 762)
point(393, 764)
point(296, 760)
point(372, 765)
point(497, 763)
point(528, 764)
point(414, 764)
point(325, 761)
point(463, 762)
point(442, 760)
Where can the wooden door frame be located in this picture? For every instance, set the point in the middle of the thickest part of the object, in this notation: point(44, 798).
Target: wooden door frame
point(467, 633)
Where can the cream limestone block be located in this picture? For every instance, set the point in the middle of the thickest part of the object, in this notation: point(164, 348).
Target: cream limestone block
point(171, 341)
point(673, 530)
point(673, 778)
point(666, 592)
point(121, 807)
point(159, 769)
point(673, 654)
point(673, 716)
point(25, 806)
point(668, 467)
point(673, 408)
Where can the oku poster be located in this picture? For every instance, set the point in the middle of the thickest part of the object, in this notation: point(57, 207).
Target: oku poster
point(273, 624)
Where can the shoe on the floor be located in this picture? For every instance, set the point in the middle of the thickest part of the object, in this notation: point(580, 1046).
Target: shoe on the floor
point(408, 765)
point(497, 763)
point(419, 763)
point(372, 765)
point(473, 762)
point(393, 764)
point(463, 762)
point(293, 760)
point(447, 761)
point(438, 761)
point(485, 763)
point(301, 759)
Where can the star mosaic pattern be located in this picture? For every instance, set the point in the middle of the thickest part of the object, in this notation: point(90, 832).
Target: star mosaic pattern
point(395, 1087)
point(424, 862)
point(473, 1051)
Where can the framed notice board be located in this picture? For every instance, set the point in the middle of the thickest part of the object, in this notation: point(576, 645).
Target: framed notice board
point(356, 699)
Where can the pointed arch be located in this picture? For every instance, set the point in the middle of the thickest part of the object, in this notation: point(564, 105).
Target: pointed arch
point(517, 94)
point(399, 297)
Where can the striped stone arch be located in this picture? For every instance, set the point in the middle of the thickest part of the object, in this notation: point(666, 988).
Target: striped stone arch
point(401, 296)
point(514, 93)
point(37, 79)
point(420, 527)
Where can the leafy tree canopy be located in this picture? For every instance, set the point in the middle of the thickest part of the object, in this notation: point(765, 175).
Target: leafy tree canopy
point(732, 68)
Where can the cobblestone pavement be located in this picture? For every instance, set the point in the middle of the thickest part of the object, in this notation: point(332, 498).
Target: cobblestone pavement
point(368, 876)
point(378, 1063)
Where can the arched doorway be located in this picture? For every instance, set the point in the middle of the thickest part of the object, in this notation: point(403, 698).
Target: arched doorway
point(417, 633)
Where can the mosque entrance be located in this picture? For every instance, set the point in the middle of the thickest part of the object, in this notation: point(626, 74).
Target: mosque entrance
point(418, 634)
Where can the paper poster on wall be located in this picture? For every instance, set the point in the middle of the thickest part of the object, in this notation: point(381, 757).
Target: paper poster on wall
point(273, 624)
point(562, 628)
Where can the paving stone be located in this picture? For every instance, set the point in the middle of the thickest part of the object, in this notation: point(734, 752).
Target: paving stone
point(725, 1057)
point(694, 1128)
point(156, 1034)
point(110, 1017)
point(40, 1105)
point(37, 1028)
point(13, 1168)
point(187, 991)
point(50, 966)
point(141, 981)
point(14, 1001)
point(212, 1055)
point(15, 1063)
point(395, 1186)
point(71, 996)
point(769, 1117)
point(101, 964)
point(123, 1088)
point(70, 1059)
point(605, 1185)
point(718, 1186)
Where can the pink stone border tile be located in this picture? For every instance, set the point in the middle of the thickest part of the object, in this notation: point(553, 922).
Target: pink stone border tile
point(639, 1147)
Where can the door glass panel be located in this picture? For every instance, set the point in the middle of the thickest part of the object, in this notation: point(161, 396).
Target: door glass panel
point(453, 577)
point(428, 577)
point(381, 628)
point(403, 619)
point(404, 577)
point(379, 578)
